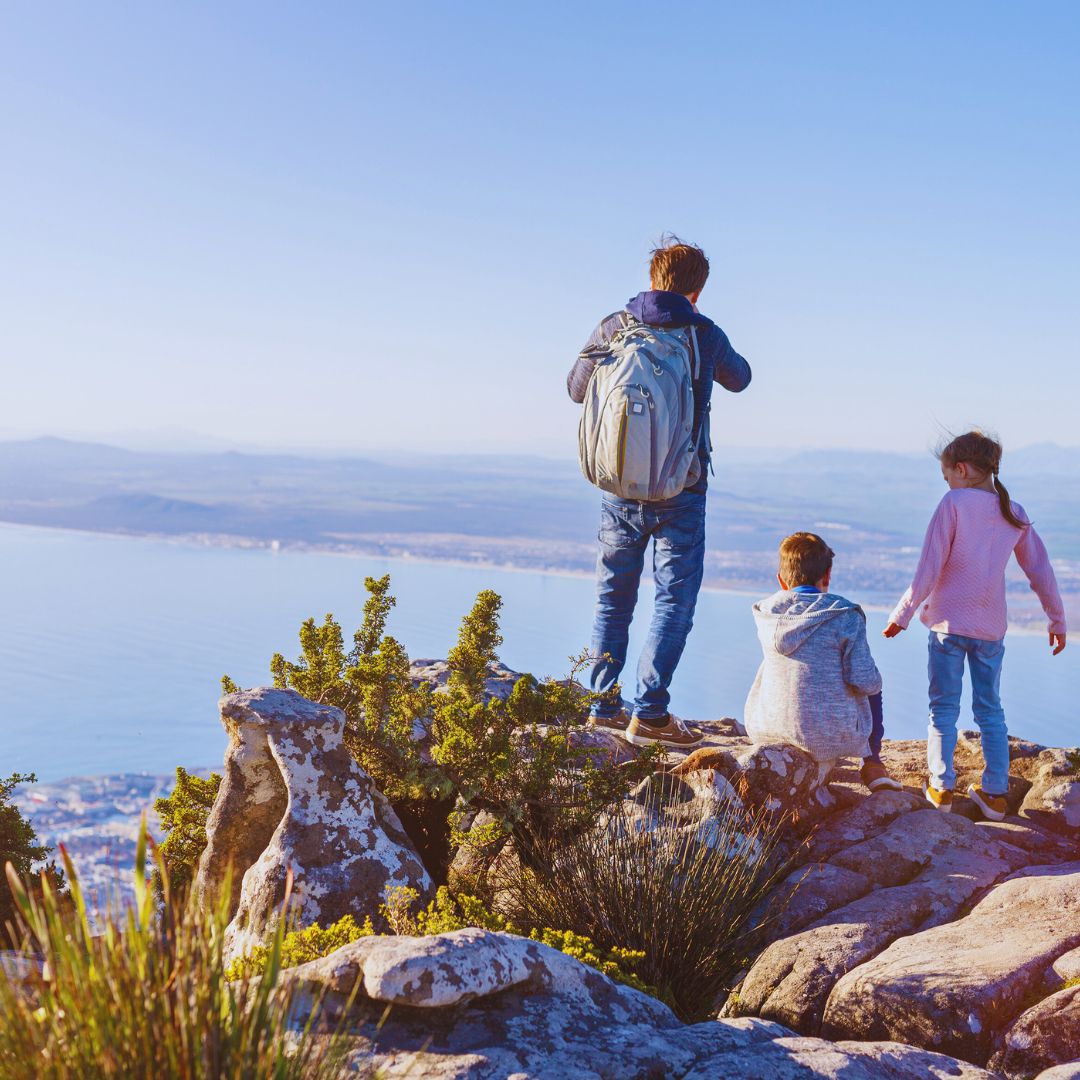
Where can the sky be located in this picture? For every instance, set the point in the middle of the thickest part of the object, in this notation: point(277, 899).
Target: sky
point(389, 227)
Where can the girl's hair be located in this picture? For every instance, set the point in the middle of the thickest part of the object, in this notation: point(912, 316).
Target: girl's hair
point(984, 454)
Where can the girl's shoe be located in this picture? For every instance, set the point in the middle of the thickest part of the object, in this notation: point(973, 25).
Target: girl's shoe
point(666, 730)
point(993, 807)
point(940, 800)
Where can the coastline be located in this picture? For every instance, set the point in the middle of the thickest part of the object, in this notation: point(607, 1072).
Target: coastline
point(227, 542)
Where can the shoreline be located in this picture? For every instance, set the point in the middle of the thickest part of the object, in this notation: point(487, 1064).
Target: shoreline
point(228, 542)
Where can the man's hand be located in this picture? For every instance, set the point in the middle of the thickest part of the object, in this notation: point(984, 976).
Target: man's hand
point(895, 628)
point(1057, 642)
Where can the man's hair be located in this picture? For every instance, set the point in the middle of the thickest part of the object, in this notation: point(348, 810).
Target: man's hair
point(804, 559)
point(678, 267)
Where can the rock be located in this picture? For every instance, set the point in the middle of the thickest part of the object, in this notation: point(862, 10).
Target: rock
point(1066, 968)
point(292, 798)
point(499, 682)
point(1045, 1035)
point(1053, 800)
point(1062, 1072)
point(953, 986)
point(473, 1003)
point(922, 867)
point(778, 778)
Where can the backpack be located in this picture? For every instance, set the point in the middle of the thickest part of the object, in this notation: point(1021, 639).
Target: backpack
point(636, 435)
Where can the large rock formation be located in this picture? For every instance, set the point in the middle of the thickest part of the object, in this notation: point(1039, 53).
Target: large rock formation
point(293, 799)
point(475, 1004)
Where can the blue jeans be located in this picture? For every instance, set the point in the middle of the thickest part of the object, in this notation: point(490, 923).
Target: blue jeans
point(676, 528)
point(947, 655)
point(877, 728)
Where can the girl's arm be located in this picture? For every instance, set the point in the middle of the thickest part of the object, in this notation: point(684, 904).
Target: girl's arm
point(1033, 560)
point(935, 552)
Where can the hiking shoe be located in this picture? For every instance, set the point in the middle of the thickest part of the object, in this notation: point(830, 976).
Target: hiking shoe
point(616, 723)
point(942, 800)
point(993, 807)
point(665, 730)
point(876, 777)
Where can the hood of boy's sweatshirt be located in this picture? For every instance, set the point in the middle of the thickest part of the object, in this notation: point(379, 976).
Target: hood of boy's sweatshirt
point(659, 308)
point(788, 619)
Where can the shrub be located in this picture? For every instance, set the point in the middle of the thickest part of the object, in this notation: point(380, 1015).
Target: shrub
point(444, 914)
point(149, 996)
point(183, 814)
point(685, 897)
point(515, 759)
point(19, 846)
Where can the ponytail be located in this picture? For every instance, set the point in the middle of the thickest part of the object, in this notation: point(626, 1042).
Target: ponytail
point(1007, 512)
point(984, 453)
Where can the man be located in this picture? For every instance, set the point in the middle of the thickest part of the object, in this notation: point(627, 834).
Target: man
point(676, 525)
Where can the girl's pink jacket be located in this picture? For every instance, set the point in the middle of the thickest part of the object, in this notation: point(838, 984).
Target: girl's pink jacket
point(960, 580)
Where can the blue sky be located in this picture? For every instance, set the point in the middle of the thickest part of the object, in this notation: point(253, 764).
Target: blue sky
point(392, 226)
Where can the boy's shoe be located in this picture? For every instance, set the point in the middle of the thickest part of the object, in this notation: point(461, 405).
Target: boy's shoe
point(993, 807)
point(616, 723)
point(876, 777)
point(942, 800)
point(665, 730)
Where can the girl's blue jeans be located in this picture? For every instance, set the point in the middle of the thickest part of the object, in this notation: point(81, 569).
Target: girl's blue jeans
point(948, 653)
point(676, 529)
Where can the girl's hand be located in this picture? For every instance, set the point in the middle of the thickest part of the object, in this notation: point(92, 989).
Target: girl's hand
point(1057, 642)
point(895, 628)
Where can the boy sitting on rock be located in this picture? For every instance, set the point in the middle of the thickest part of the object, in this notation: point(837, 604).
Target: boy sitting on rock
point(818, 687)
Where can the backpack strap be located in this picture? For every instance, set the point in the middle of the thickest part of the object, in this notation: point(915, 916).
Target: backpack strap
point(694, 352)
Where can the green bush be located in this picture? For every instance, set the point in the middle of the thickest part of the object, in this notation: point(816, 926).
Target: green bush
point(444, 914)
point(145, 995)
point(183, 814)
point(19, 846)
point(687, 897)
point(515, 759)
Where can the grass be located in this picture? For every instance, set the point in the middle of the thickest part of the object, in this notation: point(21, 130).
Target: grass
point(148, 997)
point(684, 896)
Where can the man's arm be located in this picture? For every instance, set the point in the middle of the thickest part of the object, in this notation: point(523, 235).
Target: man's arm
point(732, 372)
point(577, 382)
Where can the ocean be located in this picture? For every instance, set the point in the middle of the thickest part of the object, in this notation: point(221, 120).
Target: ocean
point(112, 648)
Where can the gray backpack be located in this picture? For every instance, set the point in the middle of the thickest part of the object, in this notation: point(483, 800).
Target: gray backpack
point(636, 436)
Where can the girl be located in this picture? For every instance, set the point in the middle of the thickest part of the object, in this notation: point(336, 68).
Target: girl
point(960, 586)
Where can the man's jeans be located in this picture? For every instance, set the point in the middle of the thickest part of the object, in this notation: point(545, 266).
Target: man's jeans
point(947, 655)
point(676, 527)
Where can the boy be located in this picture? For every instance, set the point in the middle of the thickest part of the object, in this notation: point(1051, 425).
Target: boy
point(818, 687)
point(676, 525)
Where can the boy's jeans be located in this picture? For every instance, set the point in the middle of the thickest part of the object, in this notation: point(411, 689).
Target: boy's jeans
point(877, 728)
point(676, 527)
point(947, 655)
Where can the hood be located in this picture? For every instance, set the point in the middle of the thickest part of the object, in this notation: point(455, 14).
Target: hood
point(659, 308)
point(787, 620)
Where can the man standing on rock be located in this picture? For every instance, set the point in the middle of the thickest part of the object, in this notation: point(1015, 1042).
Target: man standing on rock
point(645, 377)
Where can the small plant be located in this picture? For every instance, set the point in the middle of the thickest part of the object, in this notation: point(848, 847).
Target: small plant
point(19, 846)
point(183, 814)
point(149, 996)
point(1072, 759)
point(684, 896)
point(444, 914)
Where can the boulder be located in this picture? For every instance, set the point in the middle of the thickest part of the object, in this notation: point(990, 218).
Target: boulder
point(953, 987)
point(1053, 799)
point(293, 799)
point(1045, 1035)
point(918, 871)
point(473, 1003)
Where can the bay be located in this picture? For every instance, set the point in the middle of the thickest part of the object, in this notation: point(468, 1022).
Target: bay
point(112, 648)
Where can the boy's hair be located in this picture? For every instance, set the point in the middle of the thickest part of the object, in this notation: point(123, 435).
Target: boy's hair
point(678, 267)
point(804, 559)
point(983, 453)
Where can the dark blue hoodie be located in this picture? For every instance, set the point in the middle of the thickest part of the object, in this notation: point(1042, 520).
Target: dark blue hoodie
point(719, 362)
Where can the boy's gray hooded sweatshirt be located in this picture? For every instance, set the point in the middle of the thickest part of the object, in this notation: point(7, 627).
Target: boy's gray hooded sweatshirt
point(813, 686)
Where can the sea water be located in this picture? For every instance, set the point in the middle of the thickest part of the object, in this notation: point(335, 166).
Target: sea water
point(112, 648)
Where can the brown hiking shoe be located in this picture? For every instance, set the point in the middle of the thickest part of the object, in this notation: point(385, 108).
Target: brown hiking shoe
point(616, 723)
point(666, 730)
point(941, 799)
point(876, 777)
point(993, 807)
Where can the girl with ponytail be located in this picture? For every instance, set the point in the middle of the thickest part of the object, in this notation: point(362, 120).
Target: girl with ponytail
point(960, 586)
